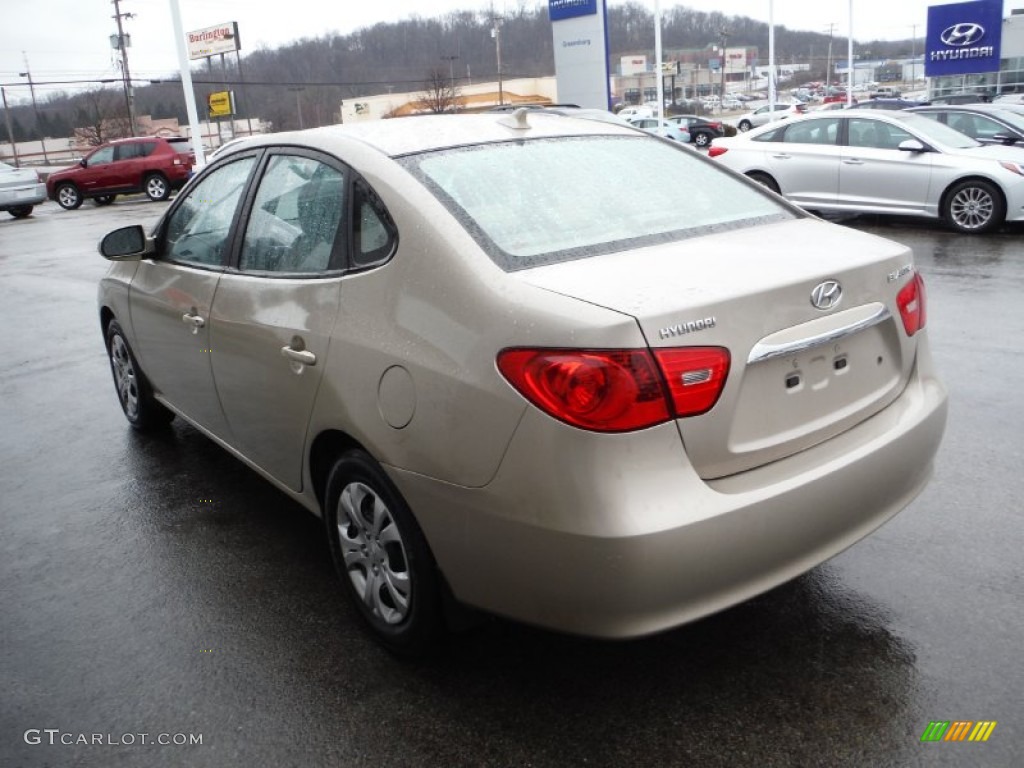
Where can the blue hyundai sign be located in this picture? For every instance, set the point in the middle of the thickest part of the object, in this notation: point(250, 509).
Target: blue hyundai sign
point(569, 9)
point(963, 38)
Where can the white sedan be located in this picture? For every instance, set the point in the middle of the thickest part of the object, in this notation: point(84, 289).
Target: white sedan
point(665, 128)
point(882, 162)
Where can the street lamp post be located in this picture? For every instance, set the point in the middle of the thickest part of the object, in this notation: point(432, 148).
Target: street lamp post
point(298, 104)
point(496, 34)
point(451, 79)
point(725, 40)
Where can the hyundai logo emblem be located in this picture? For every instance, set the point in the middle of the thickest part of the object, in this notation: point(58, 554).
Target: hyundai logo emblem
point(826, 295)
point(963, 34)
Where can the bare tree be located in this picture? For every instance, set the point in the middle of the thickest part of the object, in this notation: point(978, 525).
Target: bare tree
point(101, 119)
point(442, 95)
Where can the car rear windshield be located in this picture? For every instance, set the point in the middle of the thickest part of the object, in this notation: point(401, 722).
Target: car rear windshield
point(543, 201)
point(182, 146)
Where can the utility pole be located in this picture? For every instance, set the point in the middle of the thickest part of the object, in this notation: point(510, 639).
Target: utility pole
point(10, 130)
point(123, 45)
point(32, 89)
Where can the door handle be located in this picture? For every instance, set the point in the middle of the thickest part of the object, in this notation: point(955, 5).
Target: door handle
point(194, 319)
point(853, 161)
point(300, 356)
point(782, 156)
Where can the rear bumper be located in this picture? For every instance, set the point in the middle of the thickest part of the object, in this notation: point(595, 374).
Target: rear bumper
point(29, 194)
point(616, 536)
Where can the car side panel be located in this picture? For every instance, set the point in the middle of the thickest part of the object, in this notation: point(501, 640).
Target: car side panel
point(420, 335)
point(807, 174)
point(887, 180)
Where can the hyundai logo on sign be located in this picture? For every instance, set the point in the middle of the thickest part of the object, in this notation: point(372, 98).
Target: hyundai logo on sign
point(963, 38)
point(962, 34)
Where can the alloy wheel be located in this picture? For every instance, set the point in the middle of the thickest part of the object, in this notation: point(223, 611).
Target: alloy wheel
point(972, 208)
point(124, 376)
point(373, 553)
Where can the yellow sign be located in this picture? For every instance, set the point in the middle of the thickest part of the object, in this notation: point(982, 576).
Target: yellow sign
point(221, 104)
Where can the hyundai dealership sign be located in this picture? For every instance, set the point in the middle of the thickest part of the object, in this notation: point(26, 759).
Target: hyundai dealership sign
point(963, 38)
point(579, 32)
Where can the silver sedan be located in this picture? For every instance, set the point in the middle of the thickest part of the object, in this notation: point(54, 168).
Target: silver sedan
point(883, 162)
point(20, 190)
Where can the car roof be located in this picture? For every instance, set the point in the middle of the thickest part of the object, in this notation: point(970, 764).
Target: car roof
point(981, 109)
point(408, 135)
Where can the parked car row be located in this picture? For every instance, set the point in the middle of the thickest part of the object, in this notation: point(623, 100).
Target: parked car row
point(883, 162)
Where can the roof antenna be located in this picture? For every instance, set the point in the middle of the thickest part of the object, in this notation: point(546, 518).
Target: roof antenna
point(516, 120)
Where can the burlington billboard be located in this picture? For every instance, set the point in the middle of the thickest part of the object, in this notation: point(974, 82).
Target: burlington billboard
point(963, 38)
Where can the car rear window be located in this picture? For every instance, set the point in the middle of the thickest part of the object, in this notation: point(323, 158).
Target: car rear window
point(543, 201)
point(181, 146)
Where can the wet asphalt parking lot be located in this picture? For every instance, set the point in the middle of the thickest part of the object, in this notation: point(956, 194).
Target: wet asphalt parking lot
point(155, 589)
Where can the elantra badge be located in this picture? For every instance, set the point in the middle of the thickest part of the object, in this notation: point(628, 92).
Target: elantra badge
point(826, 295)
point(963, 34)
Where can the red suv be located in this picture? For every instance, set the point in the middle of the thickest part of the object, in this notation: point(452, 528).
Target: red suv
point(153, 165)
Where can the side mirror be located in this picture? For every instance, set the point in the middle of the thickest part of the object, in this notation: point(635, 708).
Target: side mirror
point(126, 244)
point(912, 145)
point(83, 163)
point(1005, 139)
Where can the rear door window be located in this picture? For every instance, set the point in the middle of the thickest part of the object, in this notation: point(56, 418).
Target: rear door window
point(295, 219)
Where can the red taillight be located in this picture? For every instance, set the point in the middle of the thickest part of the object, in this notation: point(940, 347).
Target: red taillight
point(911, 302)
point(617, 390)
point(715, 151)
point(695, 376)
point(602, 390)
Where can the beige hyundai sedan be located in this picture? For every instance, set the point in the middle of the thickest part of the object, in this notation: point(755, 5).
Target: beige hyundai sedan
point(507, 380)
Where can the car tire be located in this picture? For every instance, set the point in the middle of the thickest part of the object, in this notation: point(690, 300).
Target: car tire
point(701, 139)
point(974, 206)
point(157, 188)
point(67, 196)
point(133, 391)
point(20, 211)
point(744, 125)
point(382, 557)
point(104, 199)
point(764, 180)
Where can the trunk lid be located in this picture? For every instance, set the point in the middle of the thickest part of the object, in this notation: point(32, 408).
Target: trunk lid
point(799, 374)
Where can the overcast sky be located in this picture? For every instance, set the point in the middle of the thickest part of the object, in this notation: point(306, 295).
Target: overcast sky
point(69, 39)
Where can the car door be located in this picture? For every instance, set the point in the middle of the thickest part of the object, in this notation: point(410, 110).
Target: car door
point(803, 159)
point(275, 310)
point(124, 168)
point(99, 172)
point(875, 175)
point(172, 294)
